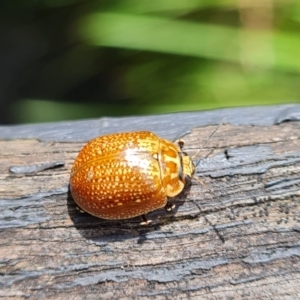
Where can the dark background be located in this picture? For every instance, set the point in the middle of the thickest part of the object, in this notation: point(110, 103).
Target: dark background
point(70, 59)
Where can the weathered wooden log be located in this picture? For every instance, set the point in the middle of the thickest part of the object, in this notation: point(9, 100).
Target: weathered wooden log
point(235, 236)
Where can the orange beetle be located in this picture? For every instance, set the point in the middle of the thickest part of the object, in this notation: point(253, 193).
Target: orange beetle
point(124, 175)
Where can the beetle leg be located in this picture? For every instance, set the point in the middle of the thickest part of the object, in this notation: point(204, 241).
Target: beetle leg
point(145, 221)
point(198, 180)
point(169, 206)
point(180, 143)
point(80, 210)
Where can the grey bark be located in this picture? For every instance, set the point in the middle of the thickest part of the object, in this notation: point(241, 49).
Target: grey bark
point(237, 235)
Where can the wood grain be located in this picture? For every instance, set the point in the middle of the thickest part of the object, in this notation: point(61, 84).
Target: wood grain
point(236, 236)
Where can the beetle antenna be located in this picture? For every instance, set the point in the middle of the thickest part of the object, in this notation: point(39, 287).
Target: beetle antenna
point(211, 135)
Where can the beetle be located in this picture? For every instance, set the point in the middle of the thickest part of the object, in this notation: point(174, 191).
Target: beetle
point(124, 175)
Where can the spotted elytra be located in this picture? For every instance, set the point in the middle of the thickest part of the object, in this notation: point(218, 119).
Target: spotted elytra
point(124, 175)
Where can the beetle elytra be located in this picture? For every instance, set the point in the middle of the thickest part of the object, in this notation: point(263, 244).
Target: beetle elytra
point(123, 175)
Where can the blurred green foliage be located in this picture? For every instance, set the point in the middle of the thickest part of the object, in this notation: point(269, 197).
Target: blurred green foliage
point(143, 57)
